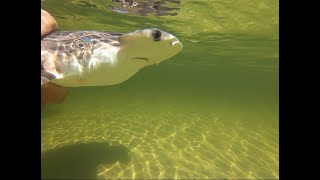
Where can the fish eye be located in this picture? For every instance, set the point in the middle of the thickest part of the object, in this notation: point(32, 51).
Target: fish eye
point(156, 34)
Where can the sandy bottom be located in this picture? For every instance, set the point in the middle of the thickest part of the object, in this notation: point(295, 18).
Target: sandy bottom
point(115, 144)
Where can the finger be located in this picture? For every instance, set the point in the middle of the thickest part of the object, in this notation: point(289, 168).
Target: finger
point(48, 24)
point(51, 93)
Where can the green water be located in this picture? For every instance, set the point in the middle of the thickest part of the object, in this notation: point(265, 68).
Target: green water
point(209, 112)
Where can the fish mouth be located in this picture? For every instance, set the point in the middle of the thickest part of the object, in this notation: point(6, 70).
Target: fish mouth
point(140, 58)
point(175, 41)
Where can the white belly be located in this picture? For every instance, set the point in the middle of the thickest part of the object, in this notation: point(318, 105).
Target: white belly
point(107, 74)
point(106, 70)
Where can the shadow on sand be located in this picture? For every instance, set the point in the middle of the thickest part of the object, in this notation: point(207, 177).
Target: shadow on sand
point(80, 161)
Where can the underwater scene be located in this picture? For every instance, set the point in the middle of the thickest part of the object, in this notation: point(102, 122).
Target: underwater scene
point(209, 112)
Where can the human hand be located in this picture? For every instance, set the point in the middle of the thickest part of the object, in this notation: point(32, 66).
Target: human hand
point(50, 93)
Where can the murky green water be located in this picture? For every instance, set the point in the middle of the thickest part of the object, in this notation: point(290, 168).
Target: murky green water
point(209, 112)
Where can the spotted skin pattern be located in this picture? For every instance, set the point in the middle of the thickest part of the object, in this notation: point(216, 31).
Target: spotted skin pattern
point(69, 52)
